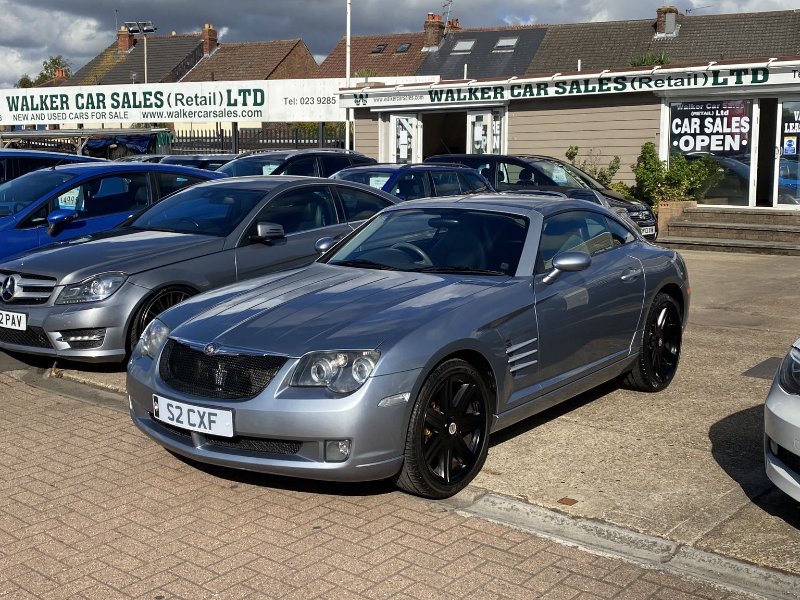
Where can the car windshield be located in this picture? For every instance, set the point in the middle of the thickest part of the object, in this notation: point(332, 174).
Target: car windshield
point(251, 166)
point(437, 240)
point(17, 194)
point(376, 178)
point(212, 210)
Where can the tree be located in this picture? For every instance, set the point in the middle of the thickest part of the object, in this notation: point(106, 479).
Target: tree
point(592, 165)
point(49, 69)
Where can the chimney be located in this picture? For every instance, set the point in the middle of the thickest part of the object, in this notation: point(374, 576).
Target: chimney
point(453, 25)
point(125, 40)
point(666, 20)
point(60, 74)
point(209, 37)
point(434, 30)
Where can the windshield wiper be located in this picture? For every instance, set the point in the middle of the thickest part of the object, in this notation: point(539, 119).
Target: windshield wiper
point(456, 269)
point(362, 263)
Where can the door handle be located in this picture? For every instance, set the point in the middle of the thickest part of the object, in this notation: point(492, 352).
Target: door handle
point(631, 275)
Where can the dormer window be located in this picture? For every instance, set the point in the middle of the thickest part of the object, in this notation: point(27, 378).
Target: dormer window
point(463, 46)
point(403, 48)
point(379, 49)
point(506, 44)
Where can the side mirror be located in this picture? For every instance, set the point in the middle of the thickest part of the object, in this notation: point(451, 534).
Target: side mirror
point(58, 218)
point(324, 244)
point(569, 262)
point(267, 232)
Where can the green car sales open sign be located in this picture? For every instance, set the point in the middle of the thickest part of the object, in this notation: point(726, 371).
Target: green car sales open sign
point(279, 101)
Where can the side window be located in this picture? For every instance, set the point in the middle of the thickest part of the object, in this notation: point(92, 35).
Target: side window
point(169, 183)
point(302, 166)
point(333, 163)
point(620, 234)
point(360, 205)
point(5, 171)
point(300, 210)
point(575, 231)
point(26, 165)
point(445, 183)
point(472, 183)
point(410, 186)
point(509, 175)
point(106, 195)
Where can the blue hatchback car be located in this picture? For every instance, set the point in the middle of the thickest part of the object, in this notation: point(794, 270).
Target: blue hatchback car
point(14, 163)
point(67, 201)
point(412, 181)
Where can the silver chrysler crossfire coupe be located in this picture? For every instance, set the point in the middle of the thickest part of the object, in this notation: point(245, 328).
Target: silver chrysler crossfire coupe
point(408, 342)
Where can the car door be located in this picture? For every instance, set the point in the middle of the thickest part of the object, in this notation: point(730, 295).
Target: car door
point(586, 319)
point(306, 213)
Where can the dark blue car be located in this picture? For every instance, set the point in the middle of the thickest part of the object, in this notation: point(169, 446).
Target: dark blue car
point(409, 182)
point(15, 163)
point(67, 201)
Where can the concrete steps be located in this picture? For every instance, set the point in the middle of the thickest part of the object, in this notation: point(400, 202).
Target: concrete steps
point(730, 229)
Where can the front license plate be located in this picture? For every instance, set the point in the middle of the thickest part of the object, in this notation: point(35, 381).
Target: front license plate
point(12, 320)
point(212, 421)
point(648, 230)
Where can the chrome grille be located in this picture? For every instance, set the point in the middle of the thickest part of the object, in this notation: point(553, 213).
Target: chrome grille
point(25, 288)
point(222, 376)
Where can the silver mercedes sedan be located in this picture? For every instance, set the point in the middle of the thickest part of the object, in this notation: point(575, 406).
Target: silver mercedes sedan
point(406, 344)
point(782, 426)
point(90, 298)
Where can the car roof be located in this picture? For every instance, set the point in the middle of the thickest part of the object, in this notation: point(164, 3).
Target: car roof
point(270, 182)
point(514, 203)
point(409, 167)
point(97, 168)
point(47, 154)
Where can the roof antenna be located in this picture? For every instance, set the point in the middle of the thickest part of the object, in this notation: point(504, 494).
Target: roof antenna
point(689, 11)
point(116, 20)
point(448, 4)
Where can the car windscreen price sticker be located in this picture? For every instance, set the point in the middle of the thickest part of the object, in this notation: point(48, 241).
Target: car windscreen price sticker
point(212, 421)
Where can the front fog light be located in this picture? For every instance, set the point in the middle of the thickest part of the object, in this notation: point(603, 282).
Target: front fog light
point(337, 450)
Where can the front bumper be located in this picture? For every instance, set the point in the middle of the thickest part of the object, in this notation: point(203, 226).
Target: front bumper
point(283, 430)
point(782, 428)
point(48, 325)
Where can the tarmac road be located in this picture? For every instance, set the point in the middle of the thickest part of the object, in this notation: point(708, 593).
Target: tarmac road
point(683, 465)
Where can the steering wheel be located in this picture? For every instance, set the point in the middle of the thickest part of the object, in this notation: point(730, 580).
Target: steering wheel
point(416, 251)
point(190, 221)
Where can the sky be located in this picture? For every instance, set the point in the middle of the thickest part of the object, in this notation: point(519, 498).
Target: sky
point(33, 30)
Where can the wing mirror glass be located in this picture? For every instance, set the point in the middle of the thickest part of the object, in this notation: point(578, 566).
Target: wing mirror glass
point(58, 218)
point(568, 262)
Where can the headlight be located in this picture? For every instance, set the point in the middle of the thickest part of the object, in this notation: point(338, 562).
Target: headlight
point(789, 377)
point(153, 337)
point(93, 289)
point(341, 372)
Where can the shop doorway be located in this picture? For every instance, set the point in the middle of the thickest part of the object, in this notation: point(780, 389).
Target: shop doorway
point(444, 133)
point(765, 169)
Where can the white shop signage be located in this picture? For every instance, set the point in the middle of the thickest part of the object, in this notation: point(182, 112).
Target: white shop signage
point(287, 100)
point(658, 80)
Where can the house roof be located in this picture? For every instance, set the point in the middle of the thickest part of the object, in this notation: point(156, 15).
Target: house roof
point(388, 63)
point(243, 61)
point(168, 58)
point(498, 52)
point(700, 38)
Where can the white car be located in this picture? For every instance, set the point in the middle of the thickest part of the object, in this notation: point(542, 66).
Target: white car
point(782, 426)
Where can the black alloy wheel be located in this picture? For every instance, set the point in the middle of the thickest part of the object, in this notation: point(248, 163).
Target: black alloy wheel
point(447, 439)
point(661, 347)
point(152, 307)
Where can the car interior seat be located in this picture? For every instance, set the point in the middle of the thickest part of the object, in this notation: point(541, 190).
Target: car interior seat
point(458, 247)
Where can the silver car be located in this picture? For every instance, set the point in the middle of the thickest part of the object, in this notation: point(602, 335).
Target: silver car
point(90, 299)
point(782, 426)
point(405, 345)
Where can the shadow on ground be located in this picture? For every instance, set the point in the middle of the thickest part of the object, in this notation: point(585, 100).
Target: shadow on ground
point(738, 447)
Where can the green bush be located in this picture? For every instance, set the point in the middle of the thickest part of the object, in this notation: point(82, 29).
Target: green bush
point(622, 188)
point(592, 165)
point(682, 180)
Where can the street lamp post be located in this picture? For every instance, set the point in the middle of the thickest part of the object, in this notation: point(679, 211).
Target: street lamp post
point(142, 27)
point(347, 78)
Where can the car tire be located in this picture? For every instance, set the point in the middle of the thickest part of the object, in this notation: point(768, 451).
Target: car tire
point(154, 305)
point(448, 433)
point(660, 350)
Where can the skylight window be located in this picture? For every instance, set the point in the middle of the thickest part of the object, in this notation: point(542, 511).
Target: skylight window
point(379, 49)
point(463, 46)
point(403, 48)
point(506, 44)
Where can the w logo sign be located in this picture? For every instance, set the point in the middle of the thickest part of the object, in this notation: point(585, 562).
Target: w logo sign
point(360, 99)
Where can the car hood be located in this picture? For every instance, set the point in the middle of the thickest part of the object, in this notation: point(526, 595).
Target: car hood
point(130, 252)
point(325, 307)
point(618, 200)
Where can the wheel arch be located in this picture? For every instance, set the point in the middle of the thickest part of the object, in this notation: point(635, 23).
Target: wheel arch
point(478, 360)
point(673, 290)
point(134, 313)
